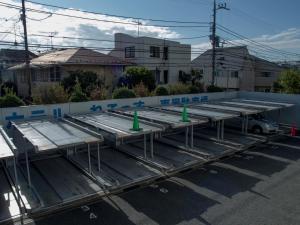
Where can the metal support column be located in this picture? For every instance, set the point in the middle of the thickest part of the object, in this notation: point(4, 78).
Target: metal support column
point(192, 136)
point(89, 159)
point(247, 123)
point(222, 129)
point(243, 124)
point(186, 137)
point(16, 179)
point(98, 156)
point(151, 145)
point(28, 169)
point(145, 146)
point(218, 129)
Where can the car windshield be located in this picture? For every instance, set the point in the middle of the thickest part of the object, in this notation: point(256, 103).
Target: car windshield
point(258, 117)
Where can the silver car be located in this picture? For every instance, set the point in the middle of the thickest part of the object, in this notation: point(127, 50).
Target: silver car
point(257, 124)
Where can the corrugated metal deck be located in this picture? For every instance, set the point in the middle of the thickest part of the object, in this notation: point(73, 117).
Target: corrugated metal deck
point(282, 104)
point(215, 106)
point(251, 106)
point(5, 149)
point(118, 126)
point(212, 114)
point(172, 120)
point(47, 135)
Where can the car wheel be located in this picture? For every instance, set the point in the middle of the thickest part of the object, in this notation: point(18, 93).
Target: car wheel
point(257, 130)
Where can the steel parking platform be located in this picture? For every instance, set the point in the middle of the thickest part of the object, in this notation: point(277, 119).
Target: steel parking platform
point(172, 121)
point(117, 129)
point(45, 137)
point(10, 203)
point(213, 115)
point(271, 103)
point(266, 108)
point(243, 112)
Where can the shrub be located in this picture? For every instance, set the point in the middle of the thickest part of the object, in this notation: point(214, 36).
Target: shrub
point(141, 90)
point(184, 77)
point(136, 75)
point(196, 88)
point(10, 99)
point(161, 91)
point(50, 95)
point(77, 94)
point(10, 85)
point(98, 94)
point(123, 93)
point(213, 88)
point(85, 78)
point(178, 89)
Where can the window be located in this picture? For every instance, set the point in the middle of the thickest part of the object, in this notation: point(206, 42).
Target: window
point(130, 52)
point(154, 52)
point(166, 76)
point(235, 74)
point(23, 77)
point(55, 74)
point(266, 74)
point(166, 53)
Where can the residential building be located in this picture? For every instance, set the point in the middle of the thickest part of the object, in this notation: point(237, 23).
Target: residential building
point(11, 57)
point(52, 67)
point(237, 69)
point(166, 59)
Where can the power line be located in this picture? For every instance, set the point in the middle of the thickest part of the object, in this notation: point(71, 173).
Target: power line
point(255, 42)
point(120, 16)
point(103, 20)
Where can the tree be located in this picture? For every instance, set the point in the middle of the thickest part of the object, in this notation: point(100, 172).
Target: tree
point(53, 94)
point(123, 92)
point(141, 90)
point(196, 77)
point(184, 77)
point(289, 81)
point(10, 99)
point(85, 78)
point(78, 95)
point(136, 75)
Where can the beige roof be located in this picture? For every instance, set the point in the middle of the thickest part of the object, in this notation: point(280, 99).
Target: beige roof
point(75, 56)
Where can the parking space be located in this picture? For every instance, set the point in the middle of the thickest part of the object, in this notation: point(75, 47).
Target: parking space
point(9, 207)
point(80, 158)
point(226, 192)
point(118, 170)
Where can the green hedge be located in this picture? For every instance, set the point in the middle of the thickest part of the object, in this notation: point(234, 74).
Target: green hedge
point(123, 93)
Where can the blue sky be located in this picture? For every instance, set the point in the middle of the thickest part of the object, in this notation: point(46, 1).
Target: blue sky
point(276, 23)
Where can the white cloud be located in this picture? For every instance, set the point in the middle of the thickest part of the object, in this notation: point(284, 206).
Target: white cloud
point(286, 40)
point(75, 27)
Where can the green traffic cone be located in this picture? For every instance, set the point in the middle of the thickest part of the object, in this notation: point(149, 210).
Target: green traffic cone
point(136, 124)
point(185, 116)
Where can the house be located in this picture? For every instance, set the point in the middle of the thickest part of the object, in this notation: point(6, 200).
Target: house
point(9, 58)
point(166, 59)
point(237, 69)
point(52, 67)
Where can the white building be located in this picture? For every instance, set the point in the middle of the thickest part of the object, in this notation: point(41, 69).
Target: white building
point(166, 59)
point(237, 69)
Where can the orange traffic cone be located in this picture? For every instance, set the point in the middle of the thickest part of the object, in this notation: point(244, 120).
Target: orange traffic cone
point(293, 131)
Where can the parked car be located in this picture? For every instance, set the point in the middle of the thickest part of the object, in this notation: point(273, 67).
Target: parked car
point(257, 124)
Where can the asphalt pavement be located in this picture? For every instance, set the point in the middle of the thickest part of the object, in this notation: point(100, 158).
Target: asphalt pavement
point(259, 187)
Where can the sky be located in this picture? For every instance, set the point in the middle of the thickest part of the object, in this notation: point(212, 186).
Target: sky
point(266, 22)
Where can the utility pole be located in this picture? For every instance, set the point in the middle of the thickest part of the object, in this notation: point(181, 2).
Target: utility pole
point(27, 60)
point(214, 38)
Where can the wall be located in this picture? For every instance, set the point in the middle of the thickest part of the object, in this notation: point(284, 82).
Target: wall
point(58, 110)
point(179, 56)
point(287, 116)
